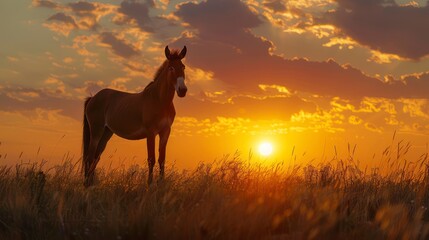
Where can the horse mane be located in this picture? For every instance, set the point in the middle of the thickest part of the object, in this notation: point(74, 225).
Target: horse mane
point(174, 55)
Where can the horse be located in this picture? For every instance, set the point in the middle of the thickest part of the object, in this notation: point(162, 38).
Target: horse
point(134, 116)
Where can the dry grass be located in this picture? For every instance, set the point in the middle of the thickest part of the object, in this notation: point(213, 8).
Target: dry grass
point(230, 199)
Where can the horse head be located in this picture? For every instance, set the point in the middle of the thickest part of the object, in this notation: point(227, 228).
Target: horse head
point(176, 70)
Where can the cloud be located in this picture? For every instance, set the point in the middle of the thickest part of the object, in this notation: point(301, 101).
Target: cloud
point(382, 58)
point(138, 12)
point(90, 13)
point(45, 3)
point(372, 127)
point(80, 15)
point(61, 23)
point(119, 46)
point(22, 99)
point(246, 106)
point(383, 26)
point(382, 114)
point(355, 120)
point(318, 121)
point(82, 7)
point(276, 115)
point(223, 44)
point(221, 126)
point(276, 5)
point(416, 107)
point(213, 18)
point(62, 17)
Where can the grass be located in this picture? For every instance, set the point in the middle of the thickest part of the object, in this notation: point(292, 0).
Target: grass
point(229, 199)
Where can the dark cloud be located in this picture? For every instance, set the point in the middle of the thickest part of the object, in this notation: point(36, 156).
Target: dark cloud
point(118, 46)
point(224, 45)
point(80, 15)
point(417, 86)
point(138, 11)
point(275, 5)
point(45, 3)
point(213, 18)
point(64, 18)
point(384, 26)
point(89, 13)
point(18, 99)
point(82, 7)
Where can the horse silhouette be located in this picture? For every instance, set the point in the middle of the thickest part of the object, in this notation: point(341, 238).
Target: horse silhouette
point(134, 116)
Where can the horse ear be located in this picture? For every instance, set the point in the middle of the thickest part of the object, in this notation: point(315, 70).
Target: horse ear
point(167, 53)
point(182, 53)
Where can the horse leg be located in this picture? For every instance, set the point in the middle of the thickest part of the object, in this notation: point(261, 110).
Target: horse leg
point(150, 156)
point(163, 138)
point(107, 134)
point(96, 134)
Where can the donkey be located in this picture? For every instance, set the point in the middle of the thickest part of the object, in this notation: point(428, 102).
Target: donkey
point(134, 116)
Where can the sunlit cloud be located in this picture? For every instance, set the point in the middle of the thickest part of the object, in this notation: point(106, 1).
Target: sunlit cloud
point(341, 43)
point(324, 31)
point(61, 23)
point(381, 114)
point(58, 85)
point(277, 88)
point(80, 44)
point(275, 5)
point(383, 58)
point(373, 128)
point(319, 121)
point(90, 88)
point(355, 120)
point(392, 120)
point(198, 75)
point(119, 83)
point(416, 107)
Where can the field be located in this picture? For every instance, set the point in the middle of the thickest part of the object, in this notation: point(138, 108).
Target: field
point(228, 199)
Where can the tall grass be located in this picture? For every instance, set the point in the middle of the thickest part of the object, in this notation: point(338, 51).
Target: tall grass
point(228, 199)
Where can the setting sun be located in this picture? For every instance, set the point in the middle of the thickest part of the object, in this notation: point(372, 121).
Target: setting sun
point(265, 149)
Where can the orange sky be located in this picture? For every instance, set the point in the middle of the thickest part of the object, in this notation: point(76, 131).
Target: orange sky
point(305, 75)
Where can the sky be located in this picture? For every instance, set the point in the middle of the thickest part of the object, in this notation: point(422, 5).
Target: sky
point(312, 77)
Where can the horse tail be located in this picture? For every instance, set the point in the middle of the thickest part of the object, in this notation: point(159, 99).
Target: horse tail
point(85, 136)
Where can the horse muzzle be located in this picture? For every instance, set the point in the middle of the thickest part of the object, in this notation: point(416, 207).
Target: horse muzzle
point(181, 92)
point(181, 88)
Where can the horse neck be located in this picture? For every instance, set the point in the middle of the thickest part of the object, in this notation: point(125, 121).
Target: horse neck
point(163, 89)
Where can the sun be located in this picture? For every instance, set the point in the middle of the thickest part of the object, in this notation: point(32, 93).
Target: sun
point(265, 149)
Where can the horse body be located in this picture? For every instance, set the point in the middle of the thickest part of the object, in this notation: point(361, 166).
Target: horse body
point(134, 116)
point(144, 115)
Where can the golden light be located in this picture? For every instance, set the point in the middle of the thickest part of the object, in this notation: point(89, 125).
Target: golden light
point(265, 148)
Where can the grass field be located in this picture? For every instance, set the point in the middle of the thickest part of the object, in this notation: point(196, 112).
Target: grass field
point(229, 199)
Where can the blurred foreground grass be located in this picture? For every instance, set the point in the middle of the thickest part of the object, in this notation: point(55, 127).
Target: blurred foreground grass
point(229, 199)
